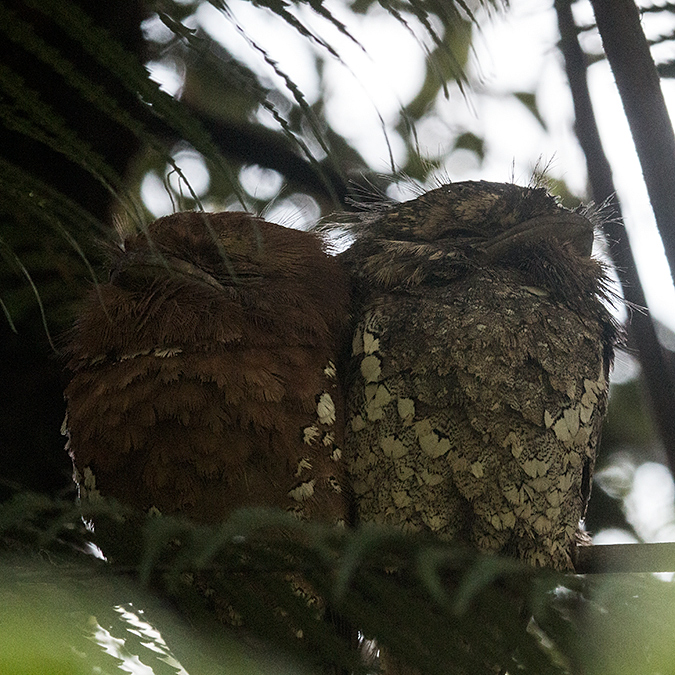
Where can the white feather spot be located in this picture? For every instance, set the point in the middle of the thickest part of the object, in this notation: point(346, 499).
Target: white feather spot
point(358, 423)
point(330, 371)
point(393, 447)
point(571, 416)
point(371, 368)
point(401, 498)
point(513, 441)
point(406, 408)
point(378, 397)
point(88, 489)
point(562, 431)
point(535, 290)
point(548, 419)
point(303, 464)
point(326, 409)
point(429, 440)
point(134, 355)
point(535, 467)
point(542, 525)
point(303, 491)
point(589, 397)
point(168, 352)
point(310, 434)
point(371, 344)
point(333, 482)
point(431, 478)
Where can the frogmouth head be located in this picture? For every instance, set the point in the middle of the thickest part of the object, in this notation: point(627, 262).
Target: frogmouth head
point(460, 228)
point(201, 248)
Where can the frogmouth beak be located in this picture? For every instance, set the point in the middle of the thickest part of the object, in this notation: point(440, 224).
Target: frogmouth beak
point(564, 227)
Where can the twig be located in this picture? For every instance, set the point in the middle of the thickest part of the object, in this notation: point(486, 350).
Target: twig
point(637, 79)
point(657, 374)
point(634, 558)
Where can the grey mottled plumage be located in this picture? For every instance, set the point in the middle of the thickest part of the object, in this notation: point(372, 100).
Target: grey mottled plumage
point(478, 376)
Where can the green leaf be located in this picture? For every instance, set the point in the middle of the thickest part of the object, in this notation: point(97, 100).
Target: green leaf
point(469, 141)
point(529, 100)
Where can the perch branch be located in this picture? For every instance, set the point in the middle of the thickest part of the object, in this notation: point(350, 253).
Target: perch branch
point(634, 558)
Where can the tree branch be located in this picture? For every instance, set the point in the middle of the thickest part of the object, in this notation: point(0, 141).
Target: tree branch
point(254, 144)
point(611, 558)
point(657, 375)
point(637, 79)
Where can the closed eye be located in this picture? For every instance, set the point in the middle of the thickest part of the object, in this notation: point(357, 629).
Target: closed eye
point(464, 232)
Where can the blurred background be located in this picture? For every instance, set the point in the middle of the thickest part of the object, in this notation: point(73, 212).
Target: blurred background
point(112, 114)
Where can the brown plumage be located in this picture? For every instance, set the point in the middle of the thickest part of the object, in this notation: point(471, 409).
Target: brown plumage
point(204, 376)
point(478, 375)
